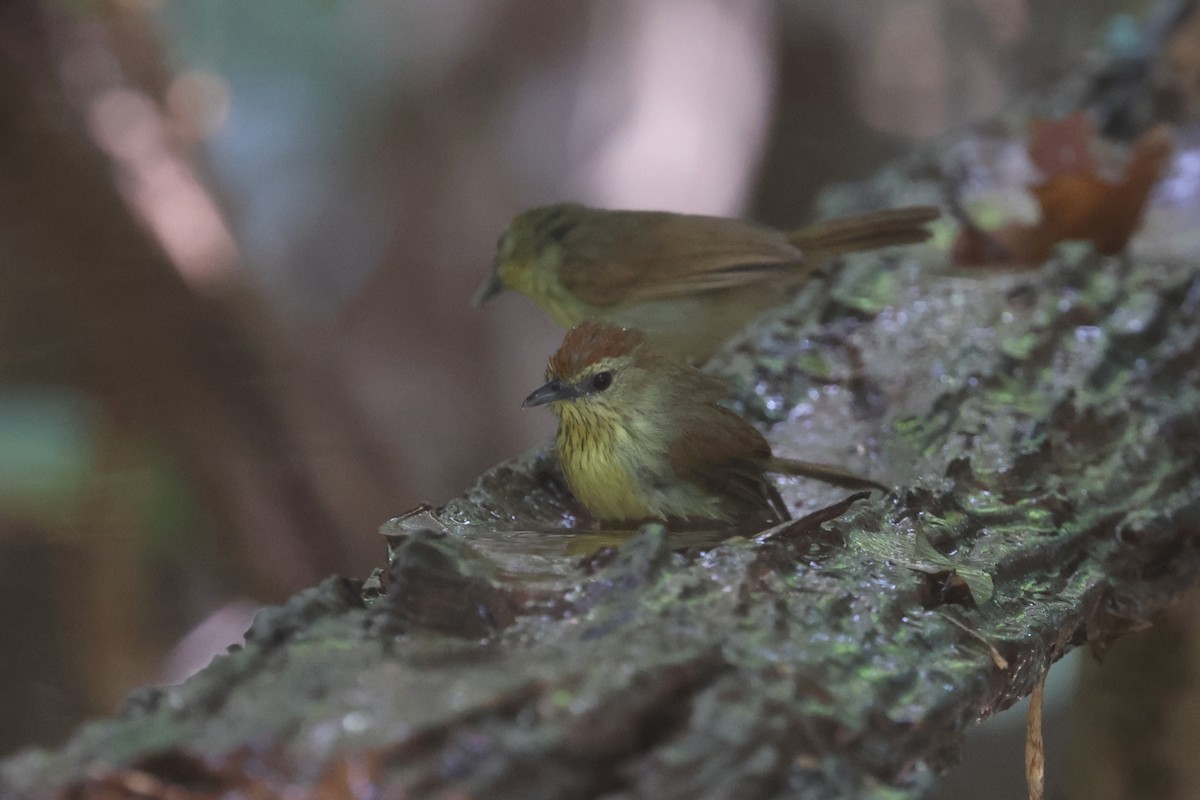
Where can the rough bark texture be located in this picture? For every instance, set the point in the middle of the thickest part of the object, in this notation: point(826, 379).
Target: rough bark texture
point(1041, 428)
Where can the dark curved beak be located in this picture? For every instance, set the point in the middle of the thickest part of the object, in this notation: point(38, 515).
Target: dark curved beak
point(552, 392)
point(490, 288)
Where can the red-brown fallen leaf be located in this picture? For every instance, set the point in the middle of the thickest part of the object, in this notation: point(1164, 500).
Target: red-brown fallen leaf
point(1076, 204)
point(1062, 146)
point(1085, 207)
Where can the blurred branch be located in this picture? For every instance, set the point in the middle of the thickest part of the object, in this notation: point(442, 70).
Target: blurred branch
point(91, 301)
point(1137, 719)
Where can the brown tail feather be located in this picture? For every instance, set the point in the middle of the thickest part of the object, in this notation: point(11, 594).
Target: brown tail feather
point(868, 231)
point(826, 473)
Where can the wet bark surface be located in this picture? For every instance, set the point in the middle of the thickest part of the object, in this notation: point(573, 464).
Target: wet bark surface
point(1041, 433)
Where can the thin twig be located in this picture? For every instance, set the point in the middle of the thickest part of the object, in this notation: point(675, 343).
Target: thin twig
point(1035, 746)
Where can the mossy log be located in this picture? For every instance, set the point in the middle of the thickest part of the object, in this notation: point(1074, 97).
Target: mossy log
point(1042, 433)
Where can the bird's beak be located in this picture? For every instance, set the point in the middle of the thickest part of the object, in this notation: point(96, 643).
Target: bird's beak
point(552, 392)
point(490, 288)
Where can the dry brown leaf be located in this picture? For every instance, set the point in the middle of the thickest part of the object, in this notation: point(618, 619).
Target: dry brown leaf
point(1062, 146)
point(1076, 203)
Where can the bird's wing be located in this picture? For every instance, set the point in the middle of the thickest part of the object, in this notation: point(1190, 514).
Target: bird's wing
point(636, 257)
point(723, 455)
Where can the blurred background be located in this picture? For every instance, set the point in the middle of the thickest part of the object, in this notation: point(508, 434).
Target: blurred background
point(237, 243)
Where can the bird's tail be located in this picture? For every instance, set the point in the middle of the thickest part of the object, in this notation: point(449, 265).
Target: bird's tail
point(826, 473)
point(868, 231)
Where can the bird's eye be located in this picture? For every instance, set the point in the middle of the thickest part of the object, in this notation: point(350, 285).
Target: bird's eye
point(602, 380)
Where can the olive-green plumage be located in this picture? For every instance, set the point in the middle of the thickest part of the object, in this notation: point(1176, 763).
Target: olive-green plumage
point(688, 282)
point(642, 435)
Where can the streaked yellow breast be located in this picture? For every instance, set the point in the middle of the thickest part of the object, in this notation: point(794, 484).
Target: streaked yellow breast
point(595, 452)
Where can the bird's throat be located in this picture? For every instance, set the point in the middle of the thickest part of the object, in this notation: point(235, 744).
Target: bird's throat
point(598, 458)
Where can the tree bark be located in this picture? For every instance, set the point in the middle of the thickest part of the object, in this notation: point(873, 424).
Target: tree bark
point(1040, 430)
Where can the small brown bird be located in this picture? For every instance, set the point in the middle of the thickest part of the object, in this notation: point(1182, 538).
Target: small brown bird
point(687, 282)
point(641, 435)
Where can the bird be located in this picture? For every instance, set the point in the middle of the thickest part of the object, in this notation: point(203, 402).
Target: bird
point(642, 435)
point(688, 282)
